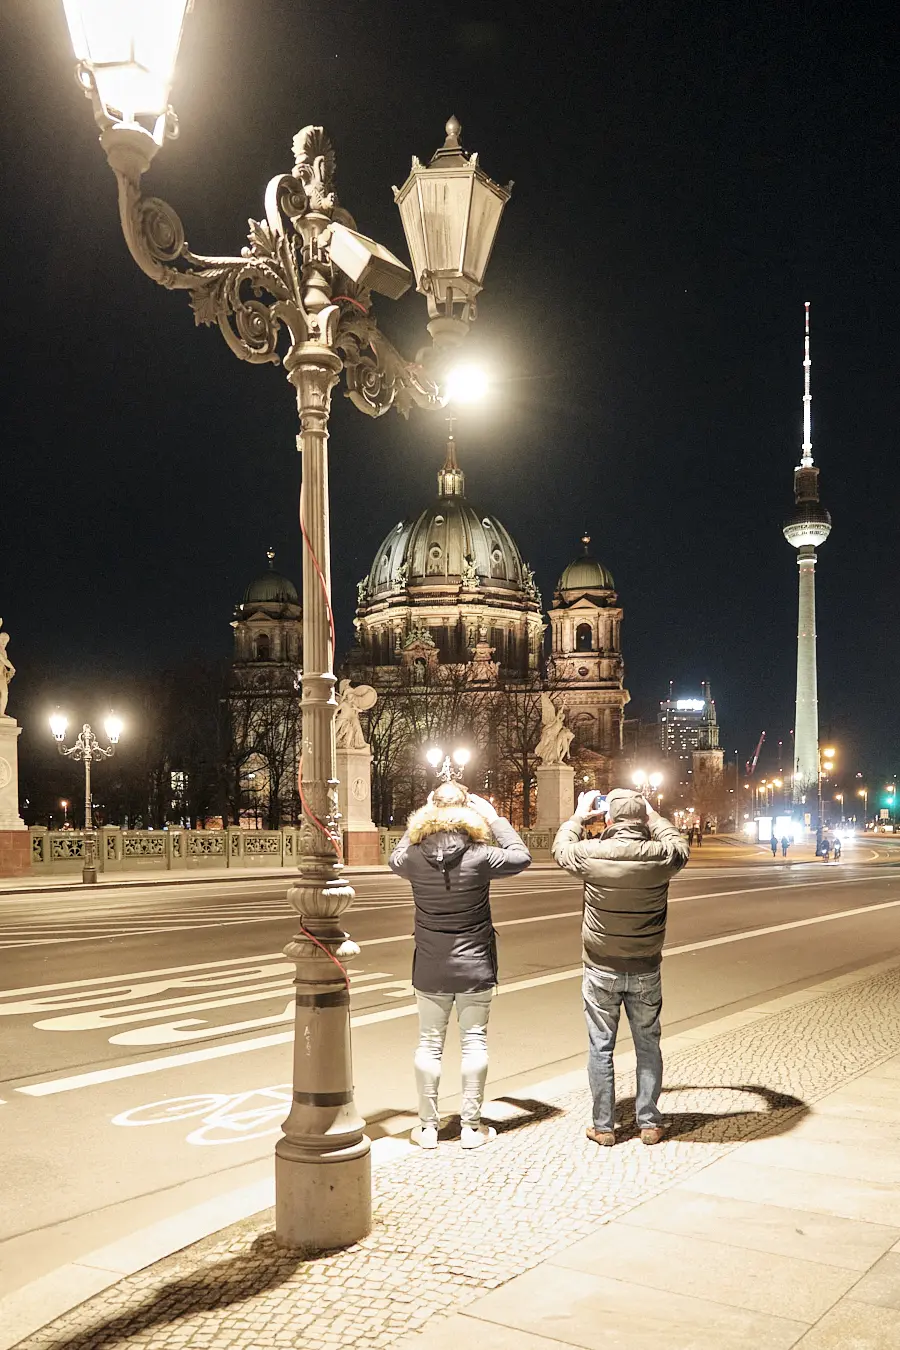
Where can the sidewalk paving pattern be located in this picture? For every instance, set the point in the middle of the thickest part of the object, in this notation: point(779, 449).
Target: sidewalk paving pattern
point(452, 1226)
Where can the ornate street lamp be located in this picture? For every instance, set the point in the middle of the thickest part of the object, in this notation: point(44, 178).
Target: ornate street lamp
point(448, 767)
point(305, 281)
point(87, 748)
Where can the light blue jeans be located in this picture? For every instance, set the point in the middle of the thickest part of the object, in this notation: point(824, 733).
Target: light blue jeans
point(604, 992)
point(473, 1011)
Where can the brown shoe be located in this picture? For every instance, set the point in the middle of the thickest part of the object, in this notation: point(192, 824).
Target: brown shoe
point(652, 1134)
point(605, 1138)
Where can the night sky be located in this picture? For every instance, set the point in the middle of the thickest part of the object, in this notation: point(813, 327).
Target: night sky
point(686, 176)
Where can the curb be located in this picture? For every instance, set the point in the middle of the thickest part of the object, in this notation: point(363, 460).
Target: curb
point(154, 879)
point(41, 1302)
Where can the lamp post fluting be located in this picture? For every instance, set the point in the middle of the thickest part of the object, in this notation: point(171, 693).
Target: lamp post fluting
point(87, 748)
point(305, 281)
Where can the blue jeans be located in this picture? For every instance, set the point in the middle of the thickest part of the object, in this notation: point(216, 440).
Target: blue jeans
point(604, 992)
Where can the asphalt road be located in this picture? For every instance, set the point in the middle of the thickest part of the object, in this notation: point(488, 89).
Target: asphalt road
point(145, 1033)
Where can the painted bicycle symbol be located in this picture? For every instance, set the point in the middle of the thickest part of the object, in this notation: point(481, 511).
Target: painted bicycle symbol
point(225, 1118)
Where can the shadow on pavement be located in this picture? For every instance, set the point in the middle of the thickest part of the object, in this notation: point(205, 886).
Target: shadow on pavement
point(523, 1111)
point(264, 1266)
point(778, 1113)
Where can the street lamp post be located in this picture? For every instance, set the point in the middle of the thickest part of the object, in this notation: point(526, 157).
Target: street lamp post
point(87, 748)
point(826, 765)
point(306, 275)
point(864, 793)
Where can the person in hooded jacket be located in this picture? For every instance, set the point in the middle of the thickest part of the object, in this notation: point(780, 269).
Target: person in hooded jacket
point(453, 846)
point(626, 875)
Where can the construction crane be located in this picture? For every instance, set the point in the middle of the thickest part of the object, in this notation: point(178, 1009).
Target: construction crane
point(752, 763)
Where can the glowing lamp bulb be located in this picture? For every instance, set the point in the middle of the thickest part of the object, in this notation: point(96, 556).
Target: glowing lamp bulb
point(655, 779)
point(466, 384)
point(461, 757)
point(113, 728)
point(434, 756)
point(58, 725)
point(639, 778)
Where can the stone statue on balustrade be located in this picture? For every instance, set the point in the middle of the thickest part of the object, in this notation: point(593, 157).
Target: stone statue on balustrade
point(348, 734)
point(7, 671)
point(556, 738)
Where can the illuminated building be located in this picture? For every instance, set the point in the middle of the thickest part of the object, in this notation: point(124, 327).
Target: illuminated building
point(687, 725)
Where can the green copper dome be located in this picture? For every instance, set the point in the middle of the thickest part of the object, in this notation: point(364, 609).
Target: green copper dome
point(271, 588)
point(586, 573)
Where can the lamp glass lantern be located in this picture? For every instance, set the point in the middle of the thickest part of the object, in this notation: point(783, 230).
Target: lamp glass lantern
point(58, 724)
point(450, 210)
point(126, 51)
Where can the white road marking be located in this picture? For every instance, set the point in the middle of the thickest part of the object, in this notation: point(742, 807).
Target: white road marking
point(53, 1086)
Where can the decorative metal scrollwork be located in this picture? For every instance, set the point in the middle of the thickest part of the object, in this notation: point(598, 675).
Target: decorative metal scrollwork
point(284, 278)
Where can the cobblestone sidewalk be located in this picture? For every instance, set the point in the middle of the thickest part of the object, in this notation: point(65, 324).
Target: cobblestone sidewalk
point(450, 1226)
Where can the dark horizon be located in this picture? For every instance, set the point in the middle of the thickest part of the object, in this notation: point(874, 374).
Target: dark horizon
point(683, 184)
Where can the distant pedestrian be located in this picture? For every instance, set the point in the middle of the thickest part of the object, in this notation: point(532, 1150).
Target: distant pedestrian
point(699, 836)
point(626, 874)
point(453, 846)
point(774, 842)
point(691, 837)
point(838, 848)
point(785, 845)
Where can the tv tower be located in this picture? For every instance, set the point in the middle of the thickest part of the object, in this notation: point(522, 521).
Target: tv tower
point(808, 526)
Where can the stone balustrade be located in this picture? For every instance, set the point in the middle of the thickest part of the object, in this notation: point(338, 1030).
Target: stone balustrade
point(56, 852)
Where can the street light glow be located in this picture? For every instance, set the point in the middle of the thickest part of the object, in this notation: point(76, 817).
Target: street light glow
point(461, 757)
point(655, 779)
point(126, 52)
point(466, 384)
point(434, 756)
point(58, 724)
point(113, 728)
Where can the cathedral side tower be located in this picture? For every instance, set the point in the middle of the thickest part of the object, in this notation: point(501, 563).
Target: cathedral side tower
point(586, 654)
point(268, 629)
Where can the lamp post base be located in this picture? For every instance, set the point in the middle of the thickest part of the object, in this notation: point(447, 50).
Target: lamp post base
point(89, 875)
point(322, 1201)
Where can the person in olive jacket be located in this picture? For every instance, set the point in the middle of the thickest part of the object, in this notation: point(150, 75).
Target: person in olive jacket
point(453, 846)
point(626, 874)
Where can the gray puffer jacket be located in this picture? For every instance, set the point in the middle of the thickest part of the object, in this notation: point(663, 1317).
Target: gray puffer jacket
point(626, 888)
point(449, 856)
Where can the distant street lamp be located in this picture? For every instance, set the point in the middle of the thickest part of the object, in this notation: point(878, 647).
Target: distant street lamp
point(826, 766)
point(447, 767)
point(87, 748)
point(864, 793)
point(65, 806)
point(306, 275)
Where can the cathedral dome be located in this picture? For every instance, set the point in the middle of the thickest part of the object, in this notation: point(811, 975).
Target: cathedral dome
point(271, 588)
point(586, 573)
point(449, 543)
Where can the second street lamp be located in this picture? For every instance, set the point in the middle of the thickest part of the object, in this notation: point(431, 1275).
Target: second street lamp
point(87, 748)
point(305, 280)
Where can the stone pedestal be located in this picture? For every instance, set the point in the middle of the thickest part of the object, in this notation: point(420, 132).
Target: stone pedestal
point(361, 839)
point(15, 842)
point(555, 795)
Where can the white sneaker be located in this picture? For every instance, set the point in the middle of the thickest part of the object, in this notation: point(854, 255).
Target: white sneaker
point(473, 1136)
point(425, 1136)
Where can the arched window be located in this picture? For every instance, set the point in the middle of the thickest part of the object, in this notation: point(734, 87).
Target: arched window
point(263, 647)
point(584, 638)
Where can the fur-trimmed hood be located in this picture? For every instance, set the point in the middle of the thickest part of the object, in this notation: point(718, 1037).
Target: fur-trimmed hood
point(431, 819)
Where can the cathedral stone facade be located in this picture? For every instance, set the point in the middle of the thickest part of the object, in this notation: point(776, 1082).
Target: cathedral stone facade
point(450, 608)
